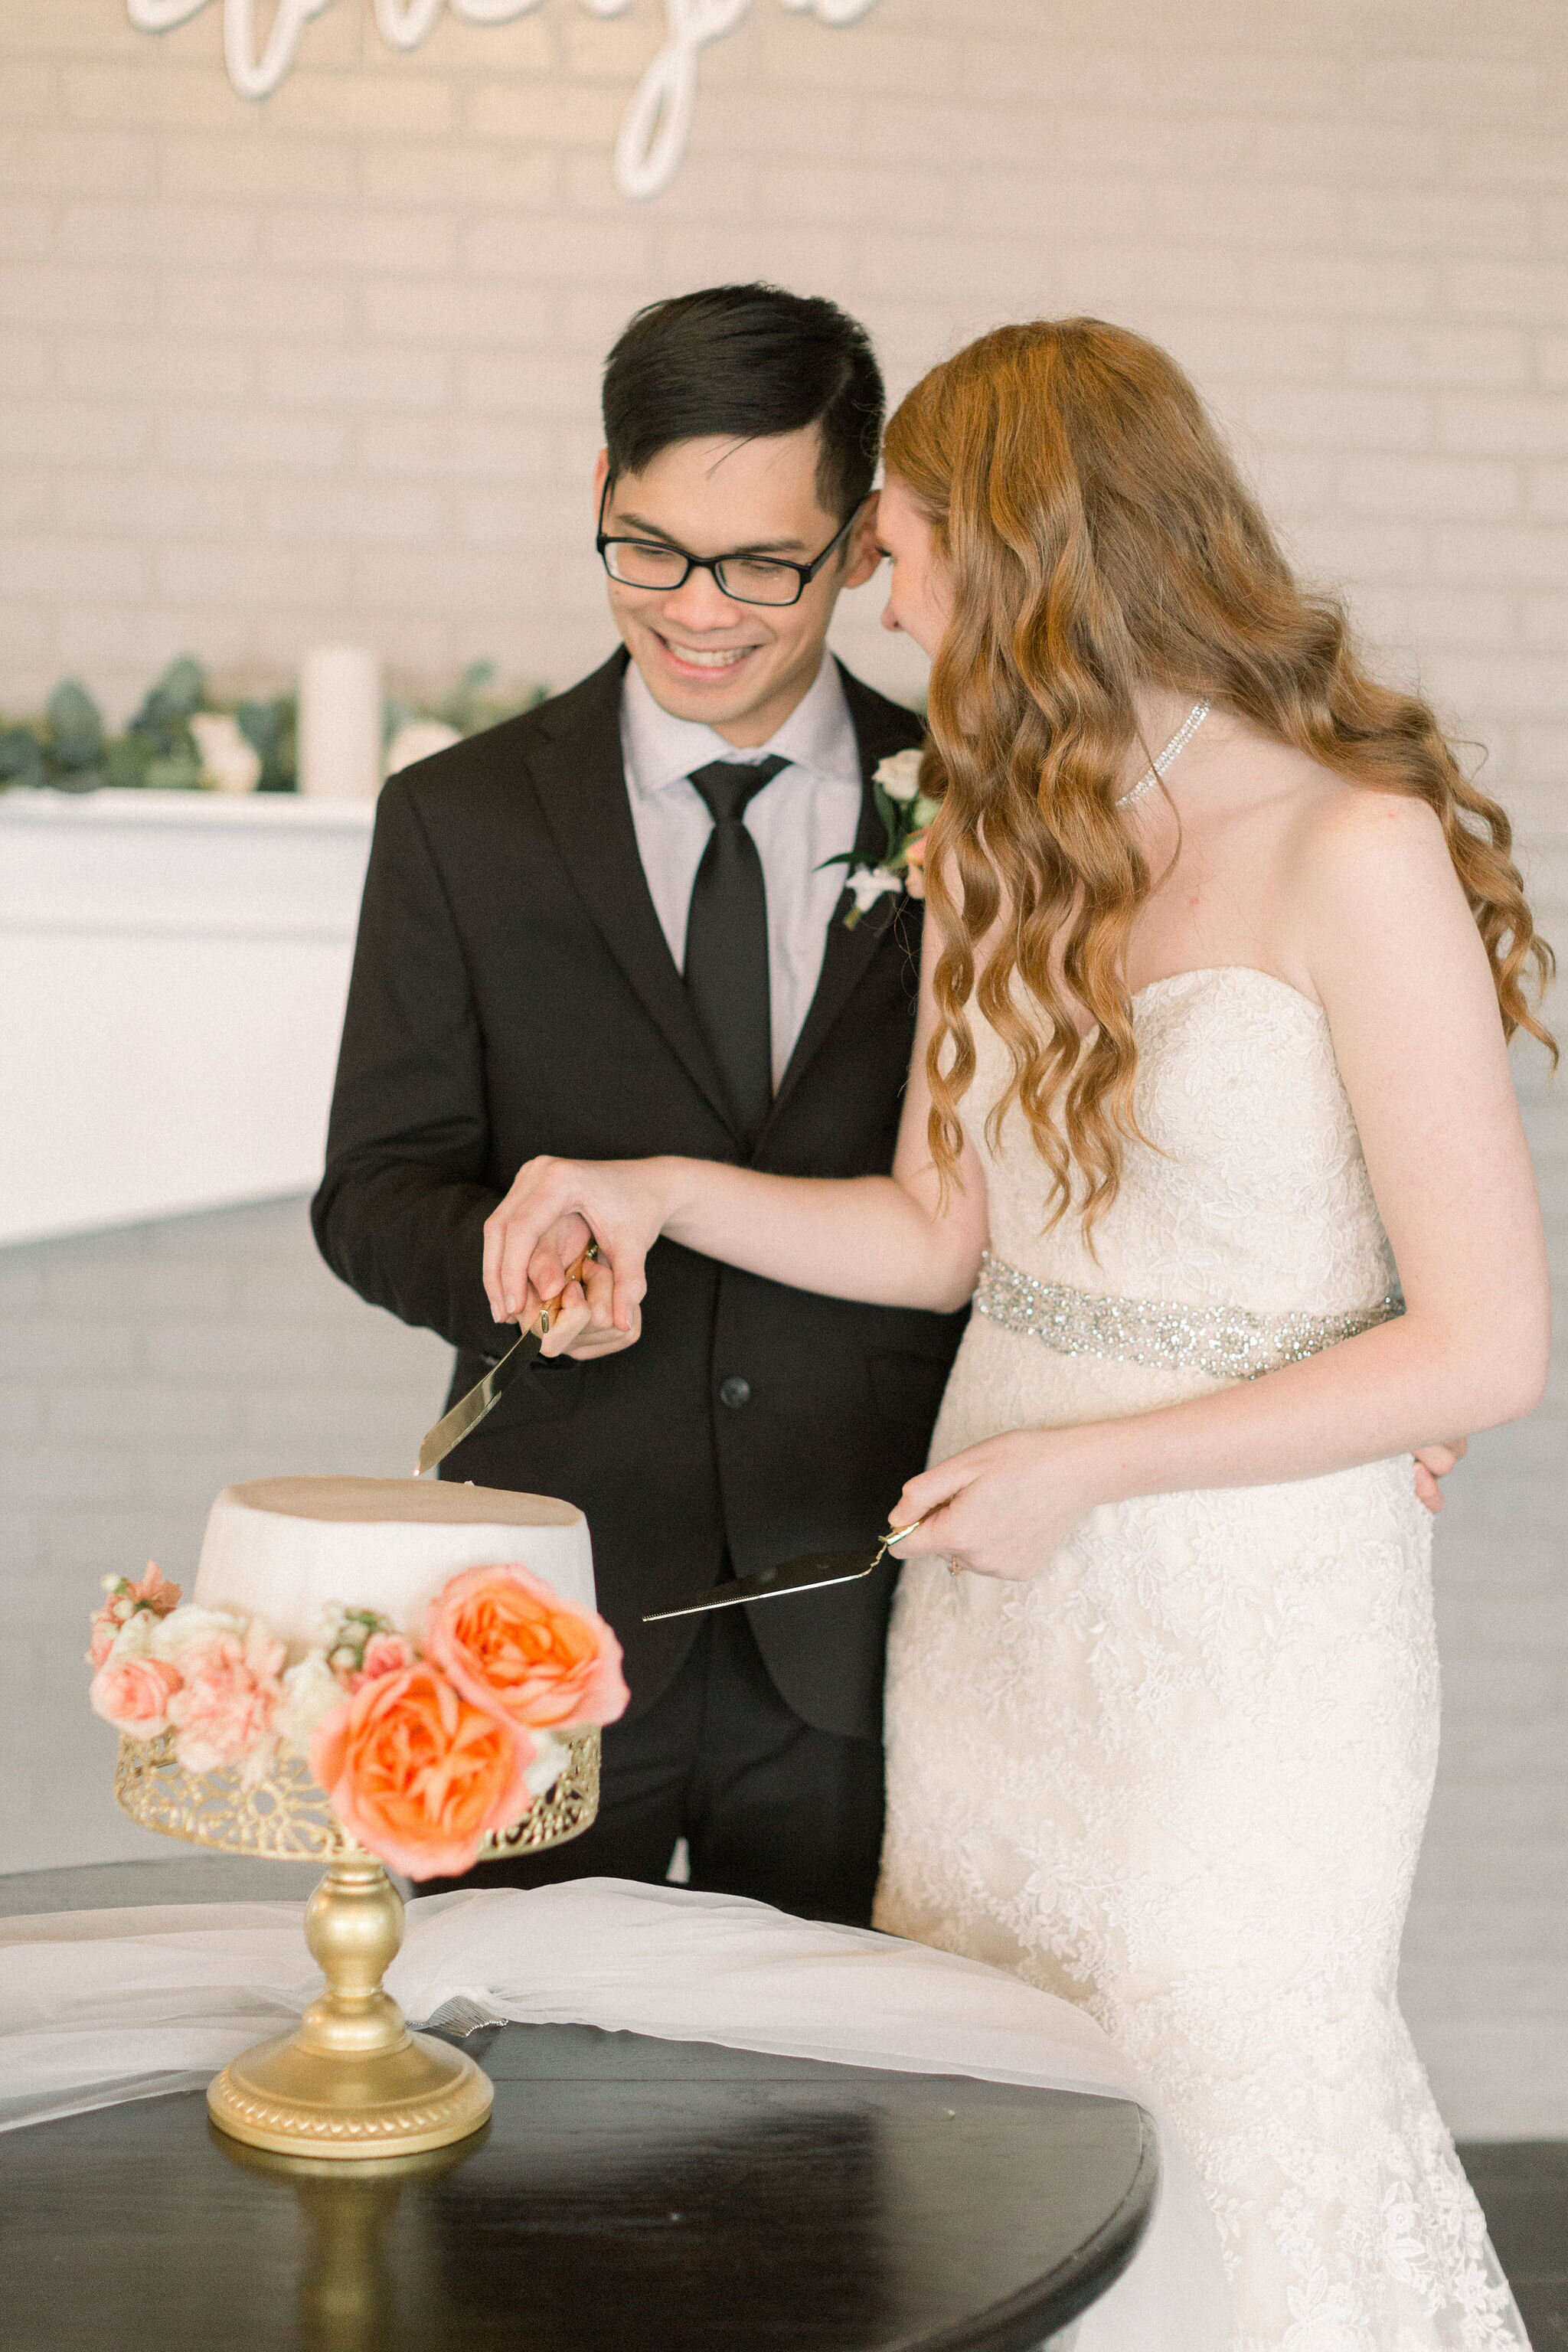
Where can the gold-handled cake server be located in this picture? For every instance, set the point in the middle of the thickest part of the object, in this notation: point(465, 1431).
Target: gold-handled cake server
point(811, 1570)
point(468, 1412)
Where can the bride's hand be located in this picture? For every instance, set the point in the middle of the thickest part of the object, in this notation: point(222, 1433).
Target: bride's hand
point(621, 1202)
point(1001, 1507)
point(579, 1291)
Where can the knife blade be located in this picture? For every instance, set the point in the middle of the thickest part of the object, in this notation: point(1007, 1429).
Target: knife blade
point(812, 1571)
point(468, 1412)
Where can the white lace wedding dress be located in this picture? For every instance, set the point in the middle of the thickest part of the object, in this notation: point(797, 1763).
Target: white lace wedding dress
point(1180, 1776)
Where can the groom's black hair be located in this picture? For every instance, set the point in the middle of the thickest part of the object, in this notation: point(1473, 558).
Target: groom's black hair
point(748, 362)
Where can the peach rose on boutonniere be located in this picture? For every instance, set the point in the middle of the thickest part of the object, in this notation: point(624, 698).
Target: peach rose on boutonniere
point(134, 1694)
point(508, 1640)
point(418, 1773)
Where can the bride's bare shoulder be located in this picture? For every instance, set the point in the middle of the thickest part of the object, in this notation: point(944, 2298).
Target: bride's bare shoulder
point(1350, 834)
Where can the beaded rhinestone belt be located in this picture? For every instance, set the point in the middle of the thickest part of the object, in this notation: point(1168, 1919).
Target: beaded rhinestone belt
point(1229, 1342)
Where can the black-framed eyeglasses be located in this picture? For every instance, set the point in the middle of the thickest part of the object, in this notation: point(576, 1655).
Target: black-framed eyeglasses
point(744, 579)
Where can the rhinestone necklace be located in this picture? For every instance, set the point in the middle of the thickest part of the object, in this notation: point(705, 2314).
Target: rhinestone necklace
point(1177, 744)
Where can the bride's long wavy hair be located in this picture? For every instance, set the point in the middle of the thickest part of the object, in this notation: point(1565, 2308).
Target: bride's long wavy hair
point(1097, 535)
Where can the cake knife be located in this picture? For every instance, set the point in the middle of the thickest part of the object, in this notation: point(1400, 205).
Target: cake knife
point(468, 1412)
point(812, 1571)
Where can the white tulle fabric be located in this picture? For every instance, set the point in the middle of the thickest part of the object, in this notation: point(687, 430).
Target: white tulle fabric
point(106, 2005)
point(1181, 1777)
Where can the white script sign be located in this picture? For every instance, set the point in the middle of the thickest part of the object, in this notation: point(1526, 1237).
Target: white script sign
point(655, 125)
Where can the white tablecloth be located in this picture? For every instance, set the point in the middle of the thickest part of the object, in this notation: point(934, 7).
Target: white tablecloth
point(101, 2006)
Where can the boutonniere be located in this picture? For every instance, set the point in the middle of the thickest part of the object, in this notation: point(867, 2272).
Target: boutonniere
point(906, 814)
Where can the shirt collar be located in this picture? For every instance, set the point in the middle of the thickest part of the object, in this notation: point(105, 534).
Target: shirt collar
point(660, 749)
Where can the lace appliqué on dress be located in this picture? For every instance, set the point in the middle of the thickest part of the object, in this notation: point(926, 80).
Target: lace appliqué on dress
point(1182, 1776)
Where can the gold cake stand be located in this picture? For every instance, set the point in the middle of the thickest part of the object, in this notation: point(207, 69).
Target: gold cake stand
point(352, 2083)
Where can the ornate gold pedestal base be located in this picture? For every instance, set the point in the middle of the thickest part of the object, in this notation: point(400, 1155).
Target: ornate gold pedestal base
point(421, 2096)
point(353, 2082)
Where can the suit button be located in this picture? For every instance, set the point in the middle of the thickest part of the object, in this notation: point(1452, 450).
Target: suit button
point(735, 1392)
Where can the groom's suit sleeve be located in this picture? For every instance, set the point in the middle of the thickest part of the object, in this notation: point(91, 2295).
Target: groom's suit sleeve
point(407, 1186)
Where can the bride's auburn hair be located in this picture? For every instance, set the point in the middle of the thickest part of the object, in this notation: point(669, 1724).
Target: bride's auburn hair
point(1096, 534)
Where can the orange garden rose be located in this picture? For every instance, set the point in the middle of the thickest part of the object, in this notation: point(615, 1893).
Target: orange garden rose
point(507, 1640)
point(418, 1773)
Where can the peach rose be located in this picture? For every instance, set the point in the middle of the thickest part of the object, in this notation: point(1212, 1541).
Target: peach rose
point(418, 1773)
point(915, 865)
point(154, 1593)
point(507, 1640)
point(226, 1709)
point(134, 1694)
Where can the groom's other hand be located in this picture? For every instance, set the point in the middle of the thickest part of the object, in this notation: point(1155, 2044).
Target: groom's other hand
point(1433, 1464)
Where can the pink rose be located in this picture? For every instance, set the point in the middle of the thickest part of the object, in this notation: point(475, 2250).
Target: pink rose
point(385, 1653)
point(508, 1641)
point(915, 865)
point(134, 1694)
point(225, 1710)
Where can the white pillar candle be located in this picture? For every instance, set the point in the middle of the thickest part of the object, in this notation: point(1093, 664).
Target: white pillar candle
point(340, 723)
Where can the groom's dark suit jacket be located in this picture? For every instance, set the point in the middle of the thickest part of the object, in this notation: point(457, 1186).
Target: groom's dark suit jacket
point(513, 994)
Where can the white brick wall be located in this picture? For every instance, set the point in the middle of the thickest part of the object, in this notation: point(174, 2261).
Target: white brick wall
point(327, 365)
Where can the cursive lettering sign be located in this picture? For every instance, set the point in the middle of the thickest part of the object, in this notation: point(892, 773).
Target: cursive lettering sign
point(657, 122)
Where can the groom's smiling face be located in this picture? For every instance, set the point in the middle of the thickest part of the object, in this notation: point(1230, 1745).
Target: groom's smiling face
point(739, 669)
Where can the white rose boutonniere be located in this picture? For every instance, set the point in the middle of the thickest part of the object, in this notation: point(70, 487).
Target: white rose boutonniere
point(906, 814)
point(900, 774)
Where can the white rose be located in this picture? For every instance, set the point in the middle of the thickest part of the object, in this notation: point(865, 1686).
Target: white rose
point(192, 1624)
point(421, 739)
point(548, 1765)
point(228, 761)
point(870, 883)
point(134, 1639)
point(310, 1691)
point(900, 774)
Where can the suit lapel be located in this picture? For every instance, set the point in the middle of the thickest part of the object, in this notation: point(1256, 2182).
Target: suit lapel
point(848, 954)
point(581, 782)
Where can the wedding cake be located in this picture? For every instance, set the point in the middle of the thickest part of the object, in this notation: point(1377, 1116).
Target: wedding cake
point(431, 1651)
point(291, 1550)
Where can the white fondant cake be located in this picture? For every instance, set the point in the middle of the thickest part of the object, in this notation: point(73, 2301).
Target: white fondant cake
point(286, 1550)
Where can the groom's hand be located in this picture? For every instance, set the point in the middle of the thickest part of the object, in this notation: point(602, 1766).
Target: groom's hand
point(1433, 1464)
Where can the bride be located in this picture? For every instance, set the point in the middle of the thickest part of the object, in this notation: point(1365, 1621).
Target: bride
point(1213, 1041)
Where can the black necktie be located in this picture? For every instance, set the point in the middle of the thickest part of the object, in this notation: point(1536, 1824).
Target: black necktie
point(727, 942)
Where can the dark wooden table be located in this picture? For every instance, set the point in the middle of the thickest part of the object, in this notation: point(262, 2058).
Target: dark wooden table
point(628, 2193)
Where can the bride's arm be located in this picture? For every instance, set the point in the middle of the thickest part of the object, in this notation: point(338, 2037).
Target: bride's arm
point(888, 1240)
point(1383, 931)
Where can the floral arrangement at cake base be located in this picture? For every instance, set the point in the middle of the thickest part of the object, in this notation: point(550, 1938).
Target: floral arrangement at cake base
point(422, 1748)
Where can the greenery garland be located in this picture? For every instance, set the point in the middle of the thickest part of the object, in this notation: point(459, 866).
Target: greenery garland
point(69, 749)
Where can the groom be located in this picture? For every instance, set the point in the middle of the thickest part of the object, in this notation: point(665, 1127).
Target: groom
point(612, 927)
